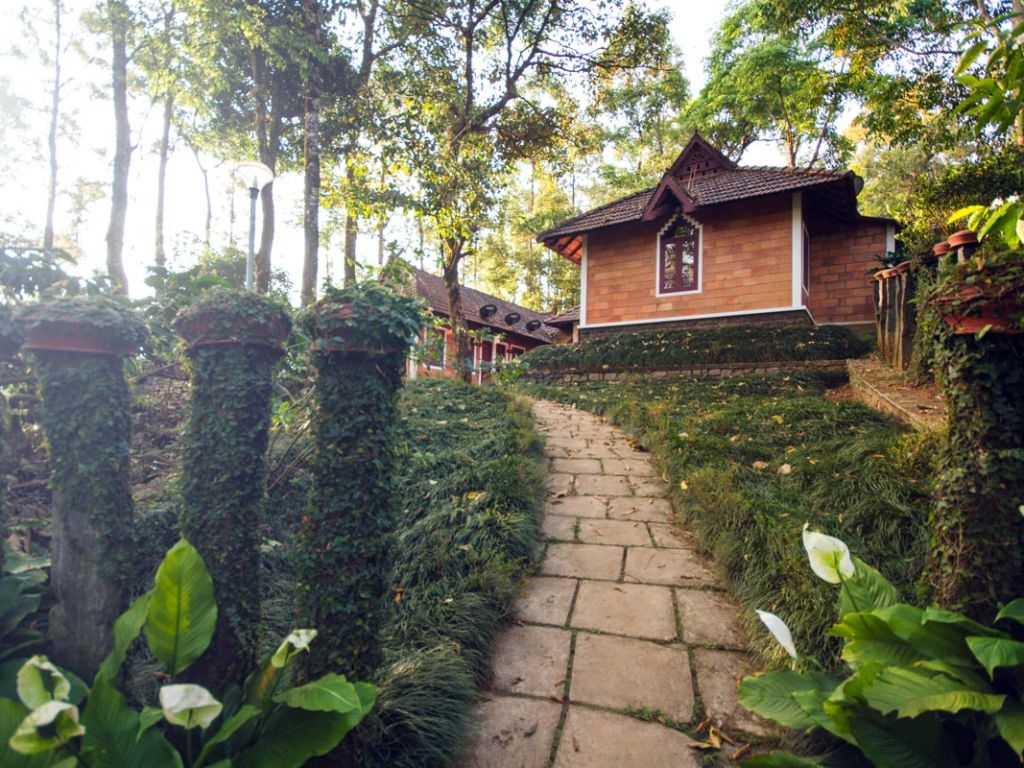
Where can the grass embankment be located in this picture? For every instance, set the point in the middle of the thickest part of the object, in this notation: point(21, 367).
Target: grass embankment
point(699, 346)
point(468, 497)
point(751, 459)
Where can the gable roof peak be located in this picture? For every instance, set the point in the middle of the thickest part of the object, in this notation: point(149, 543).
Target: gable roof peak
point(699, 158)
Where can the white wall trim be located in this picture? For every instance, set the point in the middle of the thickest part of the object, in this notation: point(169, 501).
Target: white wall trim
point(583, 281)
point(890, 238)
point(700, 257)
point(709, 316)
point(797, 239)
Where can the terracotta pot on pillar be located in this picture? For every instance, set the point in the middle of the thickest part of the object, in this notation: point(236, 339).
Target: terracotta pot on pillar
point(78, 346)
point(965, 243)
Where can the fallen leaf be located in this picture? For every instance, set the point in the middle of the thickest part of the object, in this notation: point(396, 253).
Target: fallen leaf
point(785, 469)
point(575, 744)
point(530, 731)
point(760, 465)
point(778, 419)
point(684, 485)
point(742, 751)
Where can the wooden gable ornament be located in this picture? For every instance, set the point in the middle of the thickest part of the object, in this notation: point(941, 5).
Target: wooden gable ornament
point(698, 159)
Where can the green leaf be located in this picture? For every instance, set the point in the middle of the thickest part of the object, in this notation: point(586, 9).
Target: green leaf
point(867, 589)
point(970, 56)
point(996, 652)
point(779, 760)
point(969, 626)
point(893, 743)
point(870, 641)
point(114, 735)
point(962, 213)
point(1010, 722)
point(770, 695)
point(910, 693)
point(126, 629)
point(148, 717)
point(182, 610)
point(938, 640)
point(331, 693)
point(228, 729)
point(293, 736)
point(11, 715)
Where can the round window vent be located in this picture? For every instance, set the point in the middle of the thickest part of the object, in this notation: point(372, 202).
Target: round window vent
point(512, 318)
point(487, 310)
point(533, 325)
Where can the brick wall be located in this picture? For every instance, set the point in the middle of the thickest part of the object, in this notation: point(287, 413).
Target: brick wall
point(746, 263)
point(840, 260)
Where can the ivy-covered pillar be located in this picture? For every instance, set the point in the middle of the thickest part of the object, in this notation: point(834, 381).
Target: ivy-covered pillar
point(234, 338)
point(11, 339)
point(78, 345)
point(976, 561)
point(361, 335)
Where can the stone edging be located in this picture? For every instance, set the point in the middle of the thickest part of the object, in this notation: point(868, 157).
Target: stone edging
point(703, 371)
point(876, 395)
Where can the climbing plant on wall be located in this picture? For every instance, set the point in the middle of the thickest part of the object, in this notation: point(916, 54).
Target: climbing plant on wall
point(360, 338)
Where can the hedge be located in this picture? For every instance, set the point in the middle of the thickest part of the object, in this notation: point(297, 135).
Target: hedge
point(751, 459)
point(656, 350)
point(469, 492)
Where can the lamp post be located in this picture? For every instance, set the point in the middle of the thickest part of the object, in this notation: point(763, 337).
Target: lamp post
point(256, 175)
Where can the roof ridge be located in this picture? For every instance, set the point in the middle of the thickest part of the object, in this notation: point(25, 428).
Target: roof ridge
point(798, 171)
point(609, 204)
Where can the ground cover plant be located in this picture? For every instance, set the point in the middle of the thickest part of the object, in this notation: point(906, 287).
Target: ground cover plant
point(751, 459)
point(468, 494)
point(698, 346)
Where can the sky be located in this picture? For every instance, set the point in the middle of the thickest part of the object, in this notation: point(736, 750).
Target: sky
point(23, 189)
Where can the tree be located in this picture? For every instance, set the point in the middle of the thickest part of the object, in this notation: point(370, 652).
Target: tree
point(119, 19)
point(51, 143)
point(475, 71)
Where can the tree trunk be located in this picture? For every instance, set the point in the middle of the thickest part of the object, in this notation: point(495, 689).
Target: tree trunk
point(160, 256)
point(51, 199)
point(268, 140)
point(208, 223)
point(266, 239)
point(118, 18)
point(311, 151)
point(380, 241)
point(351, 232)
point(456, 318)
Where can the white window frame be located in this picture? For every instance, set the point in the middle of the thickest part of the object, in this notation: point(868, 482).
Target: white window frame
point(700, 257)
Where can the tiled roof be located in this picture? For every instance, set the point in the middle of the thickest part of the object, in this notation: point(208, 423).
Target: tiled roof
point(433, 289)
point(724, 186)
point(568, 317)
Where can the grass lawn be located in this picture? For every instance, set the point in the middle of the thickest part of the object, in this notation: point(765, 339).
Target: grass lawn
point(749, 460)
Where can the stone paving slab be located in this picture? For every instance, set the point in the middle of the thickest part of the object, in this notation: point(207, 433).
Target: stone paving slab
point(512, 733)
point(576, 466)
point(710, 618)
point(602, 485)
point(670, 536)
point(650, 486)
point(620, 672)
point(531, 660)
point(645, 508)
point(638, 610)
point(629, 467)
point(676, 567)
point(624, 532)
point(592, 739)
point(558, 483)
point(558, 527)
point(718, 678)
point(578, 506)
point(546, 600)
point(586, 561)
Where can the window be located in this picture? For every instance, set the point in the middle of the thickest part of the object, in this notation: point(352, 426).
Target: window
point(806, 254)
point(679, 259)
point(434, 346)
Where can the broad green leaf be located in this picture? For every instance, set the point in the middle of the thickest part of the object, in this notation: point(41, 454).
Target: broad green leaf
point(331, 693)
point(290, 737)
point(770, 695)
point(1010, 722)
point(148, 717)
point(869, 640)
point(11, 715)
point(962, 213)
point(228, 729)
point(910, 693)
point(865, 590)
point(969, 626)
point(114, 735)
point(182, 610)
point(995, 652)
point(126, 629)
point(812, 702)
point(367, 698)
point(937, 640)
point(966, 675)
point(893, 743)
point(778, 760)
point(970, 56)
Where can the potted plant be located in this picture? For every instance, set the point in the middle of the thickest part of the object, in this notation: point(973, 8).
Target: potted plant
point(228, 316)
point(365, 319)
point(96, 325)
point(982, 295)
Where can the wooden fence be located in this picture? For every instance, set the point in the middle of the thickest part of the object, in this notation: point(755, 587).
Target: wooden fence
point(895, 316)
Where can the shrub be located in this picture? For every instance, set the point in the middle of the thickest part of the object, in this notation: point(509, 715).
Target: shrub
point(751, 459)
point(699, 346)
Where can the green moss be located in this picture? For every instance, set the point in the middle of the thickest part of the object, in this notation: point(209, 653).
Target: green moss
point(697, 346)
point(838, 465)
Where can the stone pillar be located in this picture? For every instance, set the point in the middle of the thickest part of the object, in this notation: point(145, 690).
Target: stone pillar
point(78, 346)
point(11, 338)
point(234, 338)
point(360, 339)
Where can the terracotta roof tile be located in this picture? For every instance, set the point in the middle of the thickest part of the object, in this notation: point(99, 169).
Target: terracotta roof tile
point(566, 318)
point(433, 289)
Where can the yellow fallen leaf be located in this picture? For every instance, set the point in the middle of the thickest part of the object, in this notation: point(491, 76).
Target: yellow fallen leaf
point(760, 465)
point(778, 419)
point(684, 485)
point(785, 469)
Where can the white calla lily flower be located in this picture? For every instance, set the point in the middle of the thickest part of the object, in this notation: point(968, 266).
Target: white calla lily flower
point(829, 557)
point(298, 640)
point(189, 705)
point(46, 727)
point(779, 631)
point(39, 681)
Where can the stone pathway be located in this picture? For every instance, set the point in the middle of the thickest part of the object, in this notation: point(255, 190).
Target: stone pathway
point(625, 631)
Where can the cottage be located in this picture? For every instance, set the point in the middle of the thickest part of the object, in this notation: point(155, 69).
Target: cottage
point(717, 242)
point(503, 330)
